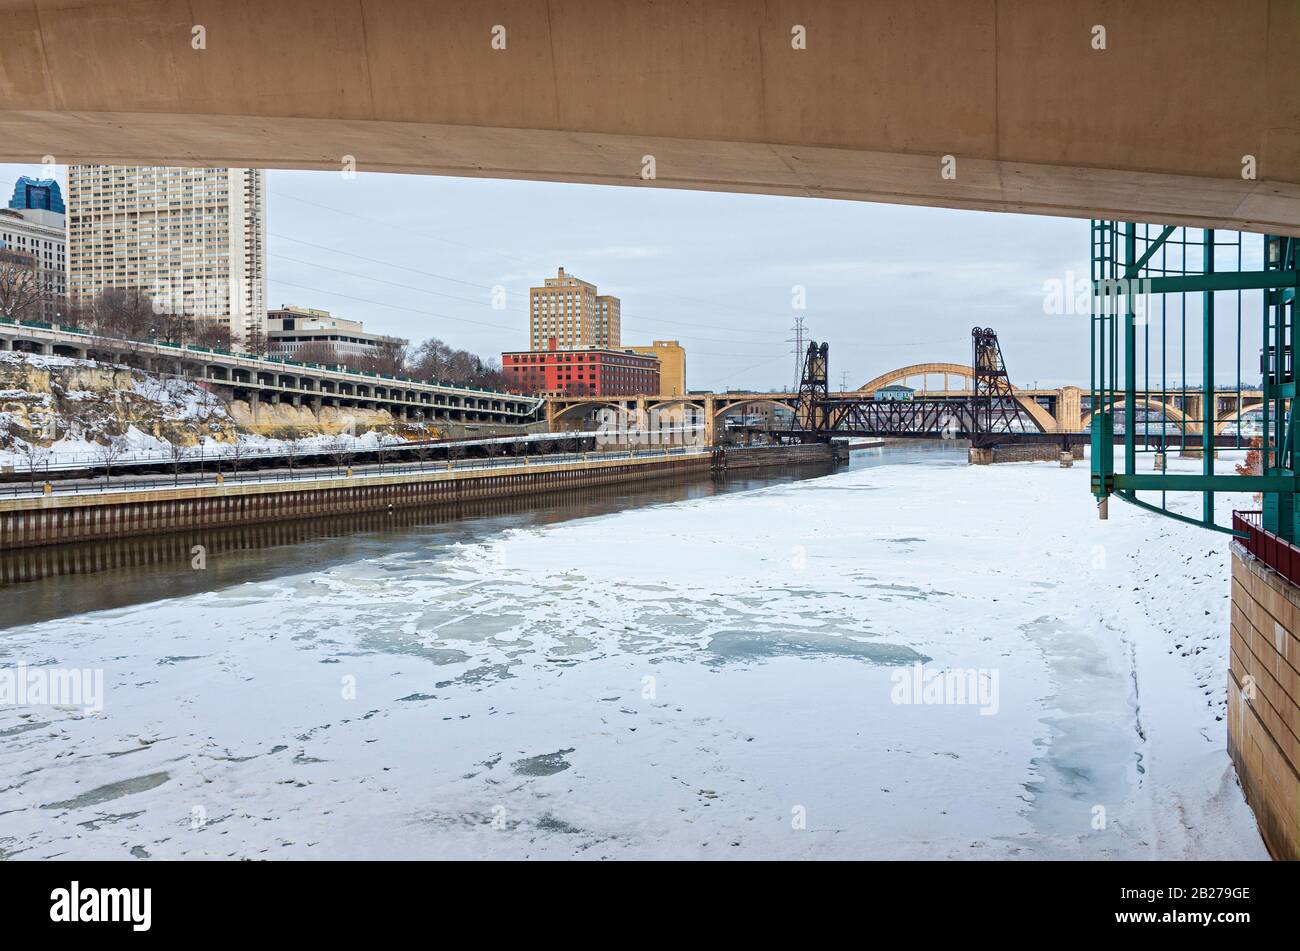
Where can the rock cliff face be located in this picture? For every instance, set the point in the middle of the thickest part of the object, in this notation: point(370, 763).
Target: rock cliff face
point(283, 418)
point(46, 398)
point(81, 404)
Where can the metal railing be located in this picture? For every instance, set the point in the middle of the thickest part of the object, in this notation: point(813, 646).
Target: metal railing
point(336, 473)
point(225, 453)
point(1278, 553)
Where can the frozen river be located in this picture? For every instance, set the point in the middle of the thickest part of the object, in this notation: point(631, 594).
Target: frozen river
point(755, 673)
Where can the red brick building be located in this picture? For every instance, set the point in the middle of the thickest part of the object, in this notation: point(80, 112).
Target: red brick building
point(581, 371)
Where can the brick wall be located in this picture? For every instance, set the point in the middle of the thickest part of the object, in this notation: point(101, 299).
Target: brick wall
point(1264, 698)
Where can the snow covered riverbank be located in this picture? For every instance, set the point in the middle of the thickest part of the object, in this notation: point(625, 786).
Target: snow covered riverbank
point(715, 678)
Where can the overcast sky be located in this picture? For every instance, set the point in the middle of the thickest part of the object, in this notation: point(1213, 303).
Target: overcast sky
point(886, 285)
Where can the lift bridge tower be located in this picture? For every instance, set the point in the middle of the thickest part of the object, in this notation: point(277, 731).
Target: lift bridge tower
point(812, 413)
point(994, 410)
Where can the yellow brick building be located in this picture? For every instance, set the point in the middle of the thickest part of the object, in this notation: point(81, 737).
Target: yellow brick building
point(672, 365)
point(571, 312)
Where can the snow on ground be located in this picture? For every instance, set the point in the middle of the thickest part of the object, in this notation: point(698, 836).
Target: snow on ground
point(44, 361)
point(174, 400)
point(710, 678)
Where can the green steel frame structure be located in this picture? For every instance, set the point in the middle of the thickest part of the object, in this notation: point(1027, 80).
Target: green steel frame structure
point(1142, 279)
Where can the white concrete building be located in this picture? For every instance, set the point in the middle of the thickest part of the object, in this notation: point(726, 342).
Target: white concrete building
point(194, 239)
point(40, 234)
point(288, 329)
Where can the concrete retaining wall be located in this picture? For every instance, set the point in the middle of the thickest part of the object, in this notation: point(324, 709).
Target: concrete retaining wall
point(1264, 698)
point(59, 519)
point(740, 458)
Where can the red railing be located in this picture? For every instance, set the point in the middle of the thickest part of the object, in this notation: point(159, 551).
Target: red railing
point(1278, 553)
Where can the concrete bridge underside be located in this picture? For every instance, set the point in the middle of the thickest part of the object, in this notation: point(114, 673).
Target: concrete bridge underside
point(1152, 128)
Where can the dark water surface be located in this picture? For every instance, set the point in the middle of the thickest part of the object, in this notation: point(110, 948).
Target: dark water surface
point(61, 581)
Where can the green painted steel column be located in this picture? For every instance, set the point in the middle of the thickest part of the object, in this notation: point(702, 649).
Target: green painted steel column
point(1207, 381)
point(1130, 354)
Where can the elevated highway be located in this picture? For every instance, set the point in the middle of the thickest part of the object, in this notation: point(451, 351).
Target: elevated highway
point(258, 380)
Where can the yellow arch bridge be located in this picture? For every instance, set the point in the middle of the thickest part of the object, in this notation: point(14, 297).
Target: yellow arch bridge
point(940, 401)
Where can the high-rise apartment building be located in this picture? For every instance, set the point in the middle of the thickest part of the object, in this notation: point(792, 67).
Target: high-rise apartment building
point(194, 239)
point(609, 330)
point(569, 311)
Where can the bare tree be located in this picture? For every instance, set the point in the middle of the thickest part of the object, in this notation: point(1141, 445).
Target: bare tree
point(341, 450)
point(388, 357)
point(21, 296)
point(36, 456)
point(109, 453)
point(434, 360)
point(127, 315)
point(178, 453)
point(238, 450)
point(255, 342)
point(422, 450)
point(318, 351)
point(213, 335)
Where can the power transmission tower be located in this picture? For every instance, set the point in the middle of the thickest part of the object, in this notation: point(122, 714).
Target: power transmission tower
point(800, 349)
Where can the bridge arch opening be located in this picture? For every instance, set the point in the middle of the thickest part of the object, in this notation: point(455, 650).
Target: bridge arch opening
point(1167, 412)
point(922, 371)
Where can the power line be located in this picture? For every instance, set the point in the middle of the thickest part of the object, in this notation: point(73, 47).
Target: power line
point(472, 247)
point(377, 280)
point(390, 224)
point(413, 310)
point(468, 300)
point(414, 270)
point(362, 257)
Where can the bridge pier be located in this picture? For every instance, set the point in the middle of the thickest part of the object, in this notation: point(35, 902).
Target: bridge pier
point(710, 421)
point(1033, 452)
point(1069, 410)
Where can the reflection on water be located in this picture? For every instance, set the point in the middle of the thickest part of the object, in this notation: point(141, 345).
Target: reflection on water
point(60, 581)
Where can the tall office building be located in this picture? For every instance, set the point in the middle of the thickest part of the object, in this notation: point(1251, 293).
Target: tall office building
point(41, 194)
point(571, 313)
point(609, 330)
point(194, 239)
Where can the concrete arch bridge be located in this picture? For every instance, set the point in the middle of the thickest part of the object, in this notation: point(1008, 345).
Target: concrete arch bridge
point(1069, 409)
point(1060, 410)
